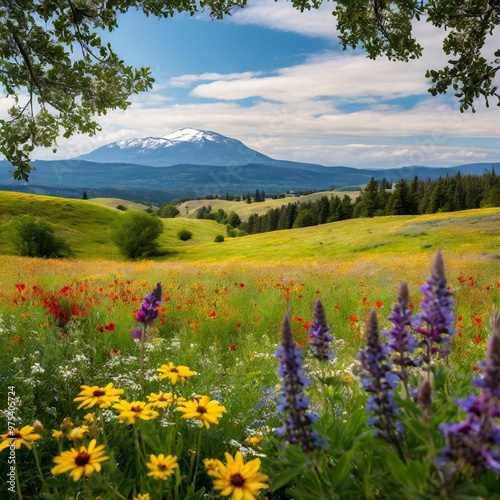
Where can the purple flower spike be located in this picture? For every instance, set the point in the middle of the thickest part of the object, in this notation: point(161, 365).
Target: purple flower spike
point(400, 340)
point(475, 441)
point(379, 381)
point(437, 321)
point(298, 426)
point(149, 308)
point(319, 331)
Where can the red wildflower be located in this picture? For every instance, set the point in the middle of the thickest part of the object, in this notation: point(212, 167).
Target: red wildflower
point(459, 318)
point(101, 328)
point(378, 303)
point(353, 318)
point(20, 287)
point(337, 308)
point(242, 285)
point(110, 326)
point(474, 368)
point(298, 319)
point(317, 292)
point(477, 321)
point(238, 325)
point(477, 339)
point(364, 300)
point(232, 347)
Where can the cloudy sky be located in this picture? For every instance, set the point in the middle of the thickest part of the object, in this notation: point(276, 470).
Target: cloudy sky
point(278, 80)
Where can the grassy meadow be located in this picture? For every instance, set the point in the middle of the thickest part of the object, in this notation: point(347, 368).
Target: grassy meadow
point(67, 323)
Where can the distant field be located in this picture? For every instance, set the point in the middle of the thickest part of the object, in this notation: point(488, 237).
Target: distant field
point(88, 229)
point(115, 202)
point(244, 210)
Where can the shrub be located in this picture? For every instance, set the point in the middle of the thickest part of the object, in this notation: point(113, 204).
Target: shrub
point(184, 234)
point(219, 238)
point(168, 211)
point(123, 208)
point(34, 237)
point(137, 235)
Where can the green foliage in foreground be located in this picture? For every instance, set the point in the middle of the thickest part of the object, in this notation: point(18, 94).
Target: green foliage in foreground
point(223, 324)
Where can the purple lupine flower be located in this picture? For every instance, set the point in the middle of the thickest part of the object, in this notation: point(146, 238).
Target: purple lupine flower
point(147, 313)
point(149, 308)
point(400, 340)
point(437, 321)
point(476, 440)
point(490, 368)
point(298, 425)
point(379, 380)
point(319, 331)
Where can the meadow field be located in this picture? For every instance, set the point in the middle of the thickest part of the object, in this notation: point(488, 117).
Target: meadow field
point(201, 383)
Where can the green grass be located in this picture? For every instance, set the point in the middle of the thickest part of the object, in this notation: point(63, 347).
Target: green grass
point(88, 229)
point(115, 202)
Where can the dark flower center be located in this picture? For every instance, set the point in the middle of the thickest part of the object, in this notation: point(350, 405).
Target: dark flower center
point(14, 435)
point(82, 458)
point(174, 370)
point(162, 467)
point(201, 409)
point(237, 479)
point(136, 408)
point(98, 393)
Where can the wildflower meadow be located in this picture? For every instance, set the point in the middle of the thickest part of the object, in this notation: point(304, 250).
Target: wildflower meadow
point(315, 379)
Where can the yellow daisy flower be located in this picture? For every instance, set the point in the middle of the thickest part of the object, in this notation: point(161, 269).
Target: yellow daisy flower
point(84, 461)
point(24, 436)
point(103, 396)
point(67, 424)
point(161, 466)
point(134, 410)
point(161, 399)
point(209, 412)
point(141, 496)
point(173, 372)
point(89, 418)
point(239, 480)
point(77, 433)
point(58, 435)
point(212, 467)
point(254, 440)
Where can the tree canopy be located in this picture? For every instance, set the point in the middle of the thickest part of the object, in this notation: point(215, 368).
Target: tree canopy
point(60, 75)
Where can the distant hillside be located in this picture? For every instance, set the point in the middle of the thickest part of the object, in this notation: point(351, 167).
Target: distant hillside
point(88, 228)
point(159, 185)
point(244, 210)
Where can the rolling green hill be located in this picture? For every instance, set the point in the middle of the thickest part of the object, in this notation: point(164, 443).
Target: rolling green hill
point(88, 229)
point(244, 210)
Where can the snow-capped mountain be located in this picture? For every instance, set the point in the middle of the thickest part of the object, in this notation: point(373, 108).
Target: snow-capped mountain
point(184, 146)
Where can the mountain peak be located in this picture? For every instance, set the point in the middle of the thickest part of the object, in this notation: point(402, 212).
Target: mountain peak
point(184, 146)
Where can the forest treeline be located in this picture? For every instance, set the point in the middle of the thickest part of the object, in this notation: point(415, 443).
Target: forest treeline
point(460, 192)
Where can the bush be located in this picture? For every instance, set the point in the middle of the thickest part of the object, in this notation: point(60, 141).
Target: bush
point(219, 238)
point(34, 237)
point(184, 234)
point(168, 211)
point(123, 208)
point(137, 235)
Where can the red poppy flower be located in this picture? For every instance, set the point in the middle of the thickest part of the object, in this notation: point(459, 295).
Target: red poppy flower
point(378, 303)
point(459, 318)
point(298, 319)
point(110, 326)
point(474, 368)
point(101, 328)
point(238, 325)
point(337, 308)
point(477, 339)
point(477, 321)
point(20, 287)
point(353, 318)
point(232, 347)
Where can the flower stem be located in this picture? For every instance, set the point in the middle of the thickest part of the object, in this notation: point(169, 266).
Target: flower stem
point(18, 486)
point(38, 468)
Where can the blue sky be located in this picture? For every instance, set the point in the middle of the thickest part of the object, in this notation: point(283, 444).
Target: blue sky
point(278, 80)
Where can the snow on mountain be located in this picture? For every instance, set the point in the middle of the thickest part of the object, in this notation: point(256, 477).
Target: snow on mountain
point(184, 146)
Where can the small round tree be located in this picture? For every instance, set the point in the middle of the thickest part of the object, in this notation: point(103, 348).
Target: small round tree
point(137, 234)
point(184, 234)
point(34, 237)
